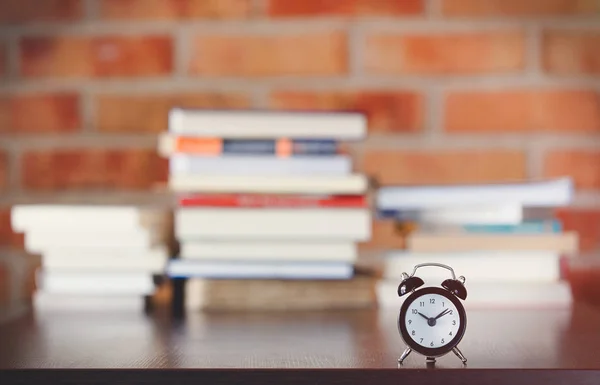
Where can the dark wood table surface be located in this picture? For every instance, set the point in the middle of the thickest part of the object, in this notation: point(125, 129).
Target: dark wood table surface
point(508, 346)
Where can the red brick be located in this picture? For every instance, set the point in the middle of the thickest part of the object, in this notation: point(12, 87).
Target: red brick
point(586, 223)
point(259, 55)
point(20, 11)
point(447, 53)
point(386, 111)
point(492, 8)
point(96, 56)
point(9, 239)
point(3, 58)
point(390, 167)
point(345, 8)
point(583, 166)
point(523, 110)
point(3, 171)
point(149, 113)
point(4, 285)
point(572, 52)
point(175, 9)
point(81, 169)
point(58, 112)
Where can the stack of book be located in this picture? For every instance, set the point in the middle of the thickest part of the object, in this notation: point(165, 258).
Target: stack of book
point(266, 197)
point(504, 238)
point(94, 251)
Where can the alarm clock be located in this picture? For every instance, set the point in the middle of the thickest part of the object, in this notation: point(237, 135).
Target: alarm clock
point(432, 320)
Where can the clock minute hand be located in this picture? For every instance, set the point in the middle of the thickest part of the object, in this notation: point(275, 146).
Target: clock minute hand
point(446, 311)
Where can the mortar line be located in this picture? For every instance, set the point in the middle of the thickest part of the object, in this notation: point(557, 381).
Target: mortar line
point(533, 52)
point(433, 9)
point(91, 10)
point(87, 110)
point(326, 83)
point(283, 26)
point(356, 50)
point(182, 44)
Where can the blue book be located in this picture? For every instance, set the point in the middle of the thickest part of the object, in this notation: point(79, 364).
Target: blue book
point(210, 269)
point(280, 147)
point(527, 227)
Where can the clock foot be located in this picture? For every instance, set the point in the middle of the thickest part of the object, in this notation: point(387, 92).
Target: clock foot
point(459, 355)
point(404, 355)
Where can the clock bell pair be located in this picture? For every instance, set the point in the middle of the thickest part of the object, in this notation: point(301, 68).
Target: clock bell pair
point(432, 320)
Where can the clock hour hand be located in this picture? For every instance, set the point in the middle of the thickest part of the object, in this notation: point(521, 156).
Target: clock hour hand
point(424, 316)
point(446, 311)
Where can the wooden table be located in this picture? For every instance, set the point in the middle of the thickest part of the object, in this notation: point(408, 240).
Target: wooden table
point(353, 347)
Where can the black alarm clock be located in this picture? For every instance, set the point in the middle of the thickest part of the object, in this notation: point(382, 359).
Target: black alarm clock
point(432, 320)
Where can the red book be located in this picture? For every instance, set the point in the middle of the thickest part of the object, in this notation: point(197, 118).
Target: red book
point(248, 200)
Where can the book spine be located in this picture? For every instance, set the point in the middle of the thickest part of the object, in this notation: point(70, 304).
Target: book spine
point(527, 227)
point(279, 147)
point(271, 201)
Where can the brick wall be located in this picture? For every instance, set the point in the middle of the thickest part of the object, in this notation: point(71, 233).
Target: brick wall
point(455, 90)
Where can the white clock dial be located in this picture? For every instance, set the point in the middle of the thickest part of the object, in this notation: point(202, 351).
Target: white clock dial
point(422, 325)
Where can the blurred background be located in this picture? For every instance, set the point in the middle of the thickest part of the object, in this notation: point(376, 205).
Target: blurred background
point(455, 91)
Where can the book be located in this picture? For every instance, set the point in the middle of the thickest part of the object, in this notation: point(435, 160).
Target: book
point(485, 215)
point(427, 242)
point(108, 264)
point(91, 217)
point(273, 224)
point(181, 268)
point(542, 193)
point(526, 227)
point(271, 200)
point(253, 124)
point(337, 165)
point(169, 144)
point(96, 283)
point(279, 295)
point(269, 250)
point(45, 302)
point(99, 253)
point(38, 241)
point(290, 184)
point(493, 295)
point(485, 266)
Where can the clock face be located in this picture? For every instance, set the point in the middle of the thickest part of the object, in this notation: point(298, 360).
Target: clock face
point(432, 321)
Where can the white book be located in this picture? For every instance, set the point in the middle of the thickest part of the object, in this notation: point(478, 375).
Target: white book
point(85, 217)
point(37, 241)
point(148, 265)
point(100, 253)
point(493, 295)
point(268, 124)
point(97, 283)
point(503, 266)
point(269, 250)
point(182, 164)
point(273, 224)
point(546, 193)
point(497, 214)
point(97, 303)
point(421, 241)
point(262, 270)
point(283, 184)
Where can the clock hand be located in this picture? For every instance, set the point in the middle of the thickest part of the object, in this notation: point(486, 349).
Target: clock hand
point(442, 313)
point(424, 316)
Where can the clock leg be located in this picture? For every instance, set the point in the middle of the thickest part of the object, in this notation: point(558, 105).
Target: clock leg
point(459, 354)
point(404, 355)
